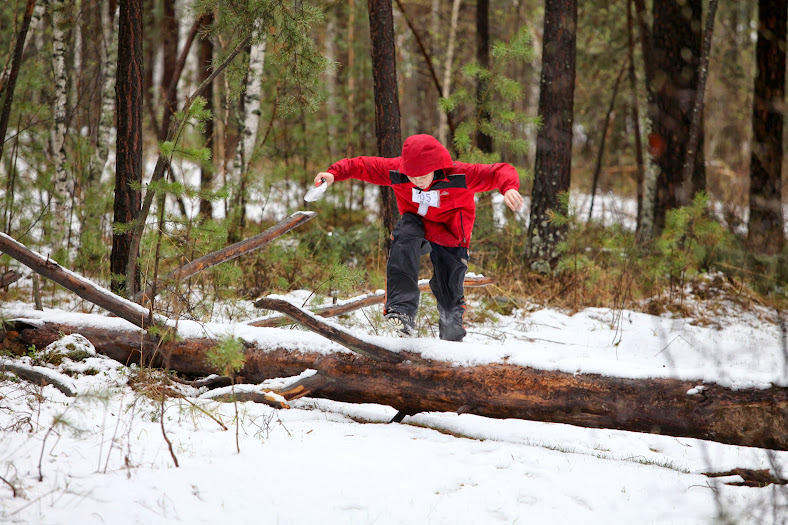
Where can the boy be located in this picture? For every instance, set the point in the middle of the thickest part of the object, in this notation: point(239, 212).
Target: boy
point(435, 198)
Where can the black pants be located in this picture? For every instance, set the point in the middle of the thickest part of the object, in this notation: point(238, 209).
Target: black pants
point(402, 275)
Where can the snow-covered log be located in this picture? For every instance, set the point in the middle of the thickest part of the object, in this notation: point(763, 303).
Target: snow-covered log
point(750, 417)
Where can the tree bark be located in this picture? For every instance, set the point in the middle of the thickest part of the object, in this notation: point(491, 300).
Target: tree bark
point(676, 42)
point(483, 140)
point(387, 117)
point(249, 104)
point(552, 171)
point(207, 169)
point(749, 417)
point(57, 137)
point(128, 172)
point(765, 226)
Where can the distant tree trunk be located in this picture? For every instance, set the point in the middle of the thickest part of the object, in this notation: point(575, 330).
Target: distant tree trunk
point(446, 84)
point(640, 173)
point(765, 226)
point(646, 228)
point(691, 176)
point(57, 137)
point(676, 40)
point(169, 55)
point(8, 87)
point(250, 111)
point(387, 117)
point(89, 249)
point(128, 172)
point(552, 171)
point(331, 84)
point(351, 78)
point(483, 140)
point(205, 70)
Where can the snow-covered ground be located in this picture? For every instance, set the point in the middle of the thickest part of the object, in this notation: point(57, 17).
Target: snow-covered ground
point(100, 457)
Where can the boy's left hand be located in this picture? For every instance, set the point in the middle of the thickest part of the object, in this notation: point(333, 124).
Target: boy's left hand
point(513, 200)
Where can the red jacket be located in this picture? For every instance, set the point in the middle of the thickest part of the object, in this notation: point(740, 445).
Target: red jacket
point(447, 206)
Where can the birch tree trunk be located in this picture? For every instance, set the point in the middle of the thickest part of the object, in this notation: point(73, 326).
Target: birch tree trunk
point(58, 133)
point(89, 249)
point(446, 85)
point(250, 102)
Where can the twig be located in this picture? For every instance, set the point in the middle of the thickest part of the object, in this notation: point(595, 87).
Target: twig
point(13, 488)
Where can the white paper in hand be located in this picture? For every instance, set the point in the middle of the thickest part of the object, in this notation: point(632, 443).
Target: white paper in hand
point(316, 193)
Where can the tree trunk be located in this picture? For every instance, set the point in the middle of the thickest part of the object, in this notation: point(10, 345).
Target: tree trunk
point(483, 140)
point(128, 171)
point(7, 91)
point(676, 41)
point(443, 137)
point(57, 136)
point(250, 110)
point(640, 174)
point(207, 169)
point(92, 249)
point(552, 171)
point(387, 117)
point(749, 417)
point(765, 226)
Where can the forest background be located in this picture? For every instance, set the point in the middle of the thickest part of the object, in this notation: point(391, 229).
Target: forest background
point(138, 135)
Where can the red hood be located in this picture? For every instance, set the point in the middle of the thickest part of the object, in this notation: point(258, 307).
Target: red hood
point(422, 154)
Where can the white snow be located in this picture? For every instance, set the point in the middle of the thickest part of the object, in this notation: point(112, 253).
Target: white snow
point(102, 458)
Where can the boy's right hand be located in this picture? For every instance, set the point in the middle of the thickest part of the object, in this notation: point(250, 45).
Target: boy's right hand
point(324, 176)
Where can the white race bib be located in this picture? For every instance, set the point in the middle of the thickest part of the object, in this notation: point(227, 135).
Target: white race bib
point(426, 199)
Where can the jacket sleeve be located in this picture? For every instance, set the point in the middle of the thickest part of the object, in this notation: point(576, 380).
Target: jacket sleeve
point(369, 169)
point(486, 177)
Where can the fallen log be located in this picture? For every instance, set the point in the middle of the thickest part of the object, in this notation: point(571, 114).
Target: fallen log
point(750, 417)
point(228, 253)
point(84, 288)
point(350, 305)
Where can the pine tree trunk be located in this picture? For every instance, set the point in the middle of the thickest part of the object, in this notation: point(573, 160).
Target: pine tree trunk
point(387, 117)
point(128, 172)
point(676, 41)
point(207, 170)
point(765, 226)
point(553, 165)
point(483, 140)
